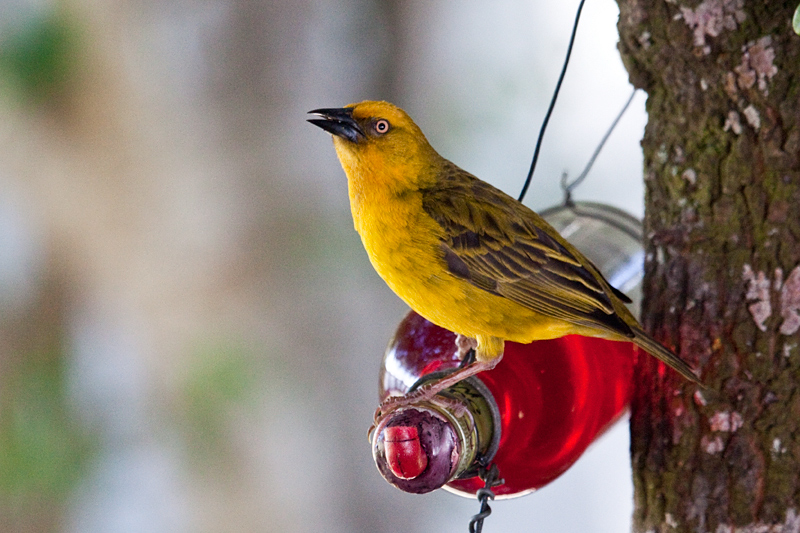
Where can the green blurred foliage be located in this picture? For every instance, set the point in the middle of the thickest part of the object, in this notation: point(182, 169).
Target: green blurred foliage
point(223, 377)
point(38, 55)
point(44, 449)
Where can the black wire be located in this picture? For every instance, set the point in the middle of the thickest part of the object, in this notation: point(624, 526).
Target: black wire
point(491, 478)
point(476, 523)
point(552, 104)
point(490, 475)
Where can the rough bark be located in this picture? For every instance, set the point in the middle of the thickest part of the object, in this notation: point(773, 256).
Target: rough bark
point(722, 283)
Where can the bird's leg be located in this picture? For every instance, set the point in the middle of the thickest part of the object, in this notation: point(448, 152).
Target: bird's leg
point(466, 349)
point(429, 390)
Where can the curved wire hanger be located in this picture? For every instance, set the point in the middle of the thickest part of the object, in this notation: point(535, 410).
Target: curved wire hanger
point(567, 188)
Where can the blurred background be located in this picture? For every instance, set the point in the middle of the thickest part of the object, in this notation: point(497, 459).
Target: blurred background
point(190, 331)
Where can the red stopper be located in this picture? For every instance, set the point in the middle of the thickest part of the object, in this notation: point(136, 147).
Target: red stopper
point(404, 452)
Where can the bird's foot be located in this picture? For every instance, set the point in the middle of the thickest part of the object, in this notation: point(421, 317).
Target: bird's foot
point(429, 390)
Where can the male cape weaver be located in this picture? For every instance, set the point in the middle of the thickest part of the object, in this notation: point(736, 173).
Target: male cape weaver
point(462, 253)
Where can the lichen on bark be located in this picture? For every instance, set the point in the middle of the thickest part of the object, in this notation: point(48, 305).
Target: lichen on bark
point(722, 226)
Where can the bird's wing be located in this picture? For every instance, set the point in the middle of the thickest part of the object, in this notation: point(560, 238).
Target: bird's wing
point(500, 246)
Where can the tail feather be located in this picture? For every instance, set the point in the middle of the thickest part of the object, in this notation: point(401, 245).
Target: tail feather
point(654, 348)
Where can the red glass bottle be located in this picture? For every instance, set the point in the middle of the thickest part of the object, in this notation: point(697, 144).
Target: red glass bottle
point(534, 414)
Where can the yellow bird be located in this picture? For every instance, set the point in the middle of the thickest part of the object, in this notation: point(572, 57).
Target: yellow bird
point(462, 253)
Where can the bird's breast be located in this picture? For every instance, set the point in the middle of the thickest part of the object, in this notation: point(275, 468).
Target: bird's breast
point(403, 244)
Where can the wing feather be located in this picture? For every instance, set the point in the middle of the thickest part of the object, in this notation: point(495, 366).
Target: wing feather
point(512, 252)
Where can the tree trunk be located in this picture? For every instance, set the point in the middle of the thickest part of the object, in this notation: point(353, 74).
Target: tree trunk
point(722, 282)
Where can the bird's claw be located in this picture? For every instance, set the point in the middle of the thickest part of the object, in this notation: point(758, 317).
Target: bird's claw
point(393, 403)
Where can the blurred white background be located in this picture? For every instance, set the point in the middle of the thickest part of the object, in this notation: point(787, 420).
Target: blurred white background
point(190, 331)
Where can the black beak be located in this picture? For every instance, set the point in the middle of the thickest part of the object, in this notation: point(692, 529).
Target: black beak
point(339, 122)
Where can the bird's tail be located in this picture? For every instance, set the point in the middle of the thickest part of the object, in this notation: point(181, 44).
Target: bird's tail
point(654, 348)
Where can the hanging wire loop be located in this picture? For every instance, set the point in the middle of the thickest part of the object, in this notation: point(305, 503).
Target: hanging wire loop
point(491, 478)
point(568, 187)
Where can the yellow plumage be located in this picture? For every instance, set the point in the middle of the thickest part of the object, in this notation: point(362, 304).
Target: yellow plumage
point(462, 253)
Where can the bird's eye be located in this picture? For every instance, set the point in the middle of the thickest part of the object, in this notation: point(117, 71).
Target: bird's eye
point(381, 126)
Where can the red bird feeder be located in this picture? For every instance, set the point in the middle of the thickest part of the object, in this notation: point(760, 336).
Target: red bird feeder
point(539, 410)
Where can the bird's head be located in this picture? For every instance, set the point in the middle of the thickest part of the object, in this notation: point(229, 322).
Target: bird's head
point(378, 139)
